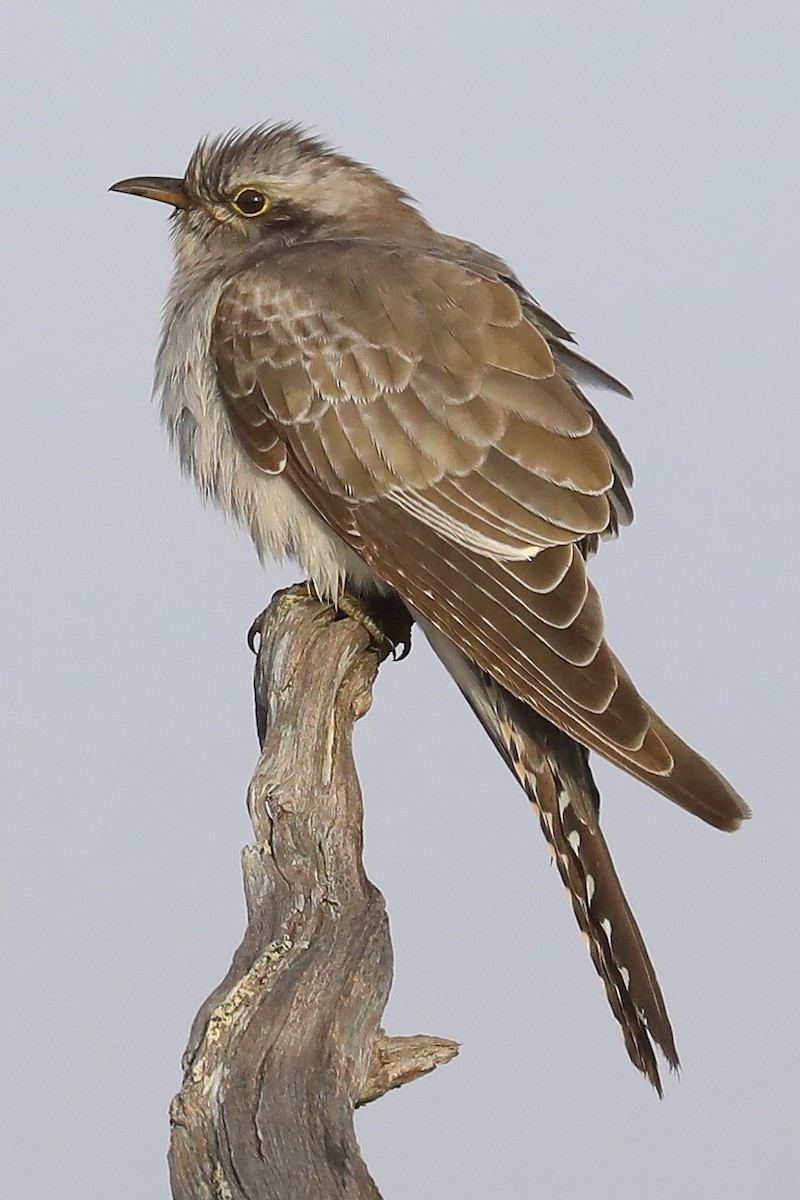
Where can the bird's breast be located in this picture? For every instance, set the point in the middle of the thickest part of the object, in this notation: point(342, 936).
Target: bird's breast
point(280, 522)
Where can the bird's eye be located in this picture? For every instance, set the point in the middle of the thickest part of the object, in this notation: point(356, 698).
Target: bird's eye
point(250, 202)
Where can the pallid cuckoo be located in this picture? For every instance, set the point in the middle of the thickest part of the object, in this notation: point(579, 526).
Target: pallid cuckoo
point(391, 408)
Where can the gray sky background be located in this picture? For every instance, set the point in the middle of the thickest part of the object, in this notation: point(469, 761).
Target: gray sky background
point(637, 164)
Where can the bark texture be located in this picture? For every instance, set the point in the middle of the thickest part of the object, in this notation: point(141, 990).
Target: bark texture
point(290, 1043)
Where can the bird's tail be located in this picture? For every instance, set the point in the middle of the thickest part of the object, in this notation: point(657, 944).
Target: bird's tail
point(554, 771)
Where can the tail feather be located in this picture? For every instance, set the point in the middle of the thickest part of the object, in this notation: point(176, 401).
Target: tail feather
point(554, 771)
point(612, 936)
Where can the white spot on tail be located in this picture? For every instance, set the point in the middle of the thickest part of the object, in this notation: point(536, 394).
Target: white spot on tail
point(589, 888)
point(574, 840)
point(626, 976)
point(606, 925)
point(563, 803)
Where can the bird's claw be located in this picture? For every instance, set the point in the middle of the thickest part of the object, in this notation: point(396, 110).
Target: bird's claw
point(385, 619)
point(298, 591)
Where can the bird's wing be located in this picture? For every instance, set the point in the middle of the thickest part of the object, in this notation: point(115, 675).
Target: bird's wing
point(424, 416)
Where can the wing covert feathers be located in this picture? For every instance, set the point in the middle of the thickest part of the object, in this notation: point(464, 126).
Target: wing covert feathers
point(393, 372)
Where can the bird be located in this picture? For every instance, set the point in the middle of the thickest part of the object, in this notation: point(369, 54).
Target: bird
point(388, 406)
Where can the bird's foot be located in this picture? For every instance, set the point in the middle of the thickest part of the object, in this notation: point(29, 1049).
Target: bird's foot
point(385, 618)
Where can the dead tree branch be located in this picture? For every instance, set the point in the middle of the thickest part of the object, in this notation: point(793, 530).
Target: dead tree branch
point(290, 1043)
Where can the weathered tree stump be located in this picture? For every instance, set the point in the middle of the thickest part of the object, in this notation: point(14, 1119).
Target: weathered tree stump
point(290, 1043)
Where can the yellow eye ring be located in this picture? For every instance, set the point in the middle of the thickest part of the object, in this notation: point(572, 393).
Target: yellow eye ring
point(250, 202)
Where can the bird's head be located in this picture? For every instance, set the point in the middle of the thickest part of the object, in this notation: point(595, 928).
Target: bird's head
point(274, 185)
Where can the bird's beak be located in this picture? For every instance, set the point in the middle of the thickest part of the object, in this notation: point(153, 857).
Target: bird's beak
point(155, 187)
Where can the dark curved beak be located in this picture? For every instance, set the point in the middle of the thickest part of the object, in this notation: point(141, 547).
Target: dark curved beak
point(155, 187)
